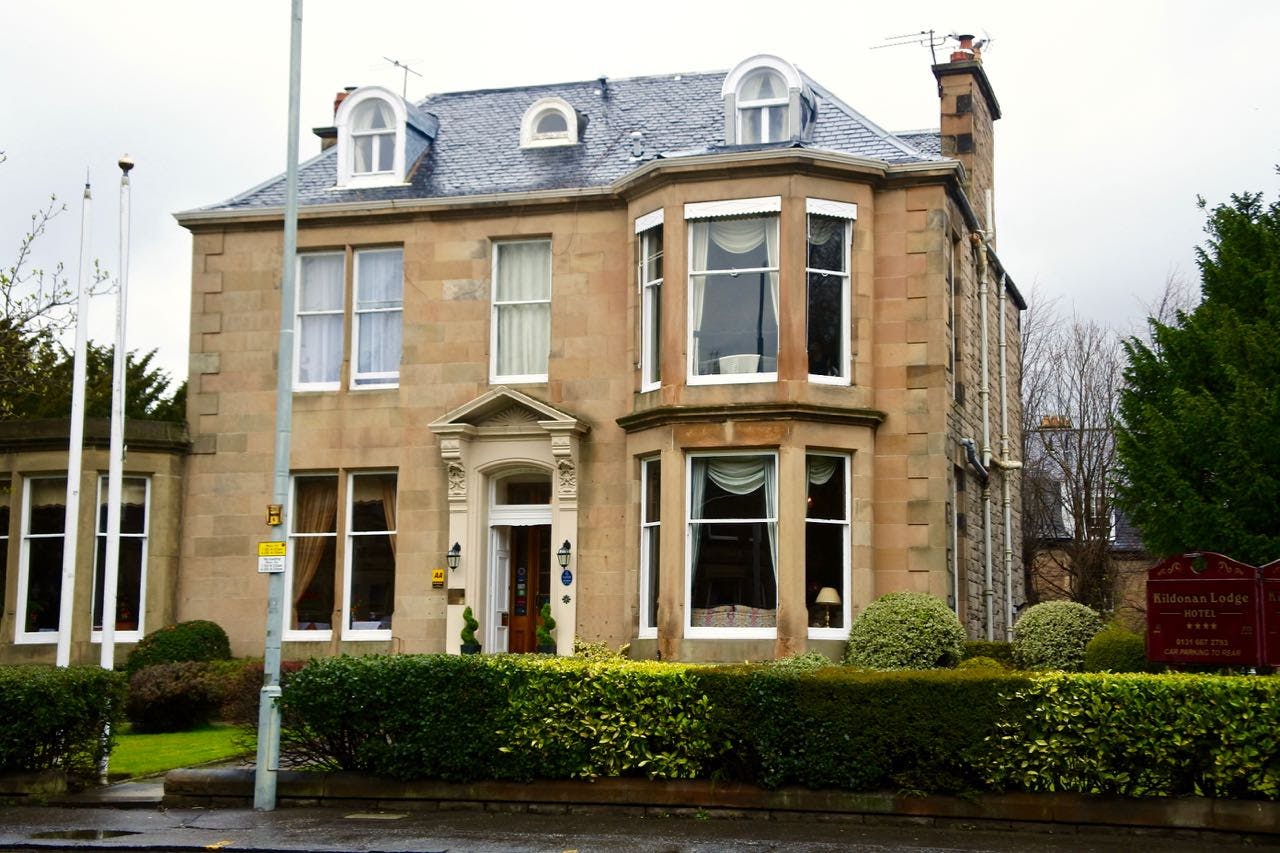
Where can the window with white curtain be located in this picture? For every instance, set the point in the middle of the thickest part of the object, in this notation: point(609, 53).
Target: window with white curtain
point(826, 545)
point(732, 546)
point(312, 563)
point(131, 572)
point(370, 555)
point(827, 314)
point(379, 309)
point(650, 544)
point(318, 355)
point(762, 100)
point(651, 308)
point(44, 514)
point(521, 333)
point(733, 299)
point(373, 137)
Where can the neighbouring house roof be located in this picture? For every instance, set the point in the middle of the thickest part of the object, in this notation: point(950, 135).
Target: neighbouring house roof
point(476, 150)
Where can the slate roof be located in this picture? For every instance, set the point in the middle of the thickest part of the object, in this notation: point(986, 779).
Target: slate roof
point(477, 147)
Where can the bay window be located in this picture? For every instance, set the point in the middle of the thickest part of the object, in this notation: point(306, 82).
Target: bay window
point(650, 278)
point(131, 574)
point(370, 555)
point(732, 546)
point(650, 544)
point(827, 274)
point(521, 332)
point(313, 538)
point(733, 291)
point(826, 545)
point(40, 564)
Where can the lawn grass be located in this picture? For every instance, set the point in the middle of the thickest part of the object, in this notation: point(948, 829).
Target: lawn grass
point(145, 754)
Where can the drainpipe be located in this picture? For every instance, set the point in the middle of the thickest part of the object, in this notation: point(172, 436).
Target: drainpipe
point(1006, 465)
point(984, 399)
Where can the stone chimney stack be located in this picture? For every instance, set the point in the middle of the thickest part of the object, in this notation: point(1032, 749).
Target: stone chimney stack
point(969, 111)
point(329, 135)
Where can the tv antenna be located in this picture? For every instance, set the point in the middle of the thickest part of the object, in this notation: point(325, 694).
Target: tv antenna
point(927, 38)
point(404, 91)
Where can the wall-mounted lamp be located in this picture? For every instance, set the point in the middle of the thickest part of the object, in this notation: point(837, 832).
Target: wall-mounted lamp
point(563, 554)
point(453, 556)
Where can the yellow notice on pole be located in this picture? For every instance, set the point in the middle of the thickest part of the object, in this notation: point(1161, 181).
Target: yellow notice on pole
point(271, 557)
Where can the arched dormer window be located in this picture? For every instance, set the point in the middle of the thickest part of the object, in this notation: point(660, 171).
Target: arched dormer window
point(550, 121)
point(765, 100)
point(371, 138)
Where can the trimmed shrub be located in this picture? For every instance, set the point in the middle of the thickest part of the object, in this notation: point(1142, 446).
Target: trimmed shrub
point(905, 630)
point(856, 730)
point(1142, 736)
point(173, 697)
point(1001, 650)
point(1113, 649)
point(196, 640)
point(802, 662)
point(241, 682)
point(980, 663)
point(54, 716)
point(546, 624)
point(1053, 634)
point(599, 651)
point(468, 717)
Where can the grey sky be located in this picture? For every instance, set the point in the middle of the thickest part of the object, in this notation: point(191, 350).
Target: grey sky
point(1116, 115)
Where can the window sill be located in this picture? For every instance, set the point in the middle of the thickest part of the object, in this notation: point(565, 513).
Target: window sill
point(732, 378)
point(318, 388)
point(120, 637)
point(526, 379)
point(295, 635)
point(829, 380)
point(35, 638)
point(692, 633)
point(828, 633)
point(365, 635)
point(381, 386)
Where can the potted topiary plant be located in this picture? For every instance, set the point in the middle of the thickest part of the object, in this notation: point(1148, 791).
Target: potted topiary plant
point(470, 645)
point(546, 643)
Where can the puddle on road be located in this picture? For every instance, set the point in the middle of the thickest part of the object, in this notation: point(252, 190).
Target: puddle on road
point(84, 834)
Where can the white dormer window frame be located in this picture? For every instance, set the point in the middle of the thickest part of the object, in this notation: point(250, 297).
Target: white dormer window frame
point(742, 107)
point(350, 135)
point(549, 122)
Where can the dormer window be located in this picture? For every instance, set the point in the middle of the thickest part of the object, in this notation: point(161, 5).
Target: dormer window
point(548, 122)
point(762, 107)
point(371, 138)
point(765, 100)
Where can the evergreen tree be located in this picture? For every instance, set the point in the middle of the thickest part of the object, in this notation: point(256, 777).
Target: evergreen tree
point(1199, 436)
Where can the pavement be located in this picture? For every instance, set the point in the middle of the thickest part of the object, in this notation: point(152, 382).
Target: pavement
point(86, 827)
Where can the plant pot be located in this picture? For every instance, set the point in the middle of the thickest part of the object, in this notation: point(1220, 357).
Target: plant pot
point(546, 648)
point(471, 648)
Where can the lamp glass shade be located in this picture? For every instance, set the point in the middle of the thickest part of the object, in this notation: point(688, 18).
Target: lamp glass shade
point(453, 555)
point(562, 556)
point(827, 595)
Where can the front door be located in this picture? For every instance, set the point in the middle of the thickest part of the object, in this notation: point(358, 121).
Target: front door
point(530, 584)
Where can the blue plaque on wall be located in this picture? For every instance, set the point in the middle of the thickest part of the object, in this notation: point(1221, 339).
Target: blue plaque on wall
point(566, 577)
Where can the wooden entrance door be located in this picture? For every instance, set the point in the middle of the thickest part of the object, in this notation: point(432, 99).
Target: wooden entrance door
point(530, 584)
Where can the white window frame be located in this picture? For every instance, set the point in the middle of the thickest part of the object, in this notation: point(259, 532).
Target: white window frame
point(518, 378)
point(691, 631)
point(845, 561)
point(21, 636)
point(762, 106)
point(305, 634)
point(349, 535)
point(95, 636)
point(6, 495)
point(648, 529)
point(340, 311)
point(650, 303)
point(849, 213)
point(531, 138)
point(374, 380)
point(348, 177)
point(766, 206)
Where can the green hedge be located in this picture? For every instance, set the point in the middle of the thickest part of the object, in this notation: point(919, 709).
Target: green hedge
point(1001, 650)
point(54, 717)
point(174, 697)
point(1142, 736)
point(198, 639)
point(463, 718)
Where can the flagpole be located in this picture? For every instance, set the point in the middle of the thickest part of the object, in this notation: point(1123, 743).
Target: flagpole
point(115, 473)
point(75, 445)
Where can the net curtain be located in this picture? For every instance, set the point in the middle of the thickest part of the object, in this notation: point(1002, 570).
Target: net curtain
point(736, 236)
point(320, 335)
point(524, 328)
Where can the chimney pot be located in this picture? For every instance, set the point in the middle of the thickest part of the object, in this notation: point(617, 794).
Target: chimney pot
point(965, 51)
point(340, 97)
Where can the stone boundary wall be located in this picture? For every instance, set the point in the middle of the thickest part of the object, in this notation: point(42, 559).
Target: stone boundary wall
point(233, 788)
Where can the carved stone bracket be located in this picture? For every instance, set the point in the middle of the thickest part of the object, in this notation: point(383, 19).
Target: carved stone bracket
point(451, 453)
point(562, 447)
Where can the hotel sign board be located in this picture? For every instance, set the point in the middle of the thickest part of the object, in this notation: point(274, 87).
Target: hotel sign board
point(1204, 608)
point(1271, 612)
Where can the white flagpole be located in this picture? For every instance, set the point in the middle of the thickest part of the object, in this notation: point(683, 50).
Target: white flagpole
point(75, 448)
point(111, 563)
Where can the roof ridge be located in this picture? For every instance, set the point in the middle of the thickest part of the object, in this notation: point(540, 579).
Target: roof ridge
point(890, 138)
point(594, 80)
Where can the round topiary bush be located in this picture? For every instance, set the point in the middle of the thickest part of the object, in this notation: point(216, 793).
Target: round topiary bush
point(905, 630)
point(198, 639)
point(980, 663)
point(1114, 649)
point(1053, 634)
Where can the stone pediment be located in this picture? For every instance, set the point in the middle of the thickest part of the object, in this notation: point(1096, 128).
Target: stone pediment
point(504, 410)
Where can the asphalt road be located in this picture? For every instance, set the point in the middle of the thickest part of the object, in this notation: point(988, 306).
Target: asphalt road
point(323, 829)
